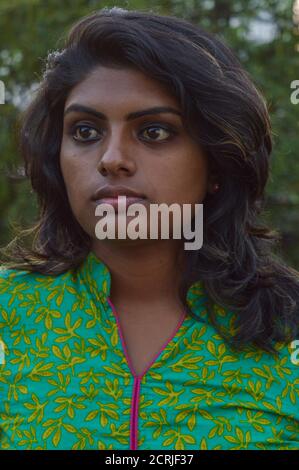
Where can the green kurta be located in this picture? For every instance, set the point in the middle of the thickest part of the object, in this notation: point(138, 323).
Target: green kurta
point(67, 381)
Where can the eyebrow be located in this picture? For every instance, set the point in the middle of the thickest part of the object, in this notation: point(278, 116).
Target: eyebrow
point(129, 117)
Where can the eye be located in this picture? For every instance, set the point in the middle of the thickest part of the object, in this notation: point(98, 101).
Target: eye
point(156, 133)
point(84, 133)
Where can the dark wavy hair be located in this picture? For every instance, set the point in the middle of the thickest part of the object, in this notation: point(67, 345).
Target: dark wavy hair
point(227, 115)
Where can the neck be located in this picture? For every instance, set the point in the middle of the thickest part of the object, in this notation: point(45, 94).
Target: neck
point(142, 272)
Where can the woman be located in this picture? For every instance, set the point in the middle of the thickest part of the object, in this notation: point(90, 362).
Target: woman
point(141, 344)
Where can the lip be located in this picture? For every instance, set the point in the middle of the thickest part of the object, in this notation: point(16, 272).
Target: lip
point(112, 192)
point(114, 202)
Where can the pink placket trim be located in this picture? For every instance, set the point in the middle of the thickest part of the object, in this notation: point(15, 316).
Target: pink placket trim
point(138, 378)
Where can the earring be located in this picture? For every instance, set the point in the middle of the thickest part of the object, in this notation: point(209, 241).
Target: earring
point(216, 187)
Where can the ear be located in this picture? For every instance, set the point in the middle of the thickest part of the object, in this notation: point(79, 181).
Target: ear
point(211, 181)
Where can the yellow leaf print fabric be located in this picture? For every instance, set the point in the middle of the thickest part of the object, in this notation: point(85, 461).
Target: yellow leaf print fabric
point(67, 382)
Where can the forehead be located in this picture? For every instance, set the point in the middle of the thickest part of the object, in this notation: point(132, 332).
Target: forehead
point(109, 86)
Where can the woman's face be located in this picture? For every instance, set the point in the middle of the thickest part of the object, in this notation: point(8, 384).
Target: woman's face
point(120, 140)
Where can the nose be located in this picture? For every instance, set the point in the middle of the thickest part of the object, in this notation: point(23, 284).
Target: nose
point(117, 155)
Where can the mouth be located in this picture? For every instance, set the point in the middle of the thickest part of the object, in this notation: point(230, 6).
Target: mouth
point(121, 202)
point(108, 191)
point(119, 197)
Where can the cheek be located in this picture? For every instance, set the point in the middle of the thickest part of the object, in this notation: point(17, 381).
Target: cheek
point(66, 160)
point(73, 170)
point(76, 182)
point(196, 183)
point(73, 177)
point(184, 180)
point(195, 175)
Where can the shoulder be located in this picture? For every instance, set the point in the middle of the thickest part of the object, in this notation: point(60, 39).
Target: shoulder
point(24, 291)
point(16, 282)
point(30, 302)
point(13, 283)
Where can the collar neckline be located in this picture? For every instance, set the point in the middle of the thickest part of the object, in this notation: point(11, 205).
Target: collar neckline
point(97, 278)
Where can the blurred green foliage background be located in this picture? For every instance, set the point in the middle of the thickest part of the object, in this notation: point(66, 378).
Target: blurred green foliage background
point(263, 33)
